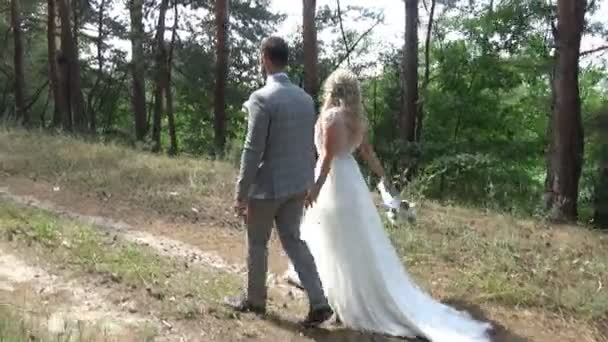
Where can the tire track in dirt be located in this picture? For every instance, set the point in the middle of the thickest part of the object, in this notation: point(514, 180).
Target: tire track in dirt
point(162, 245)
point(68, 307)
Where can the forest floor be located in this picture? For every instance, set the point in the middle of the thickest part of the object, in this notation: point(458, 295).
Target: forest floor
point(103, 243)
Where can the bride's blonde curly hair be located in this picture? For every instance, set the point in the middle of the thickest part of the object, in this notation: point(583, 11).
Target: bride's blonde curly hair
point(341, 90)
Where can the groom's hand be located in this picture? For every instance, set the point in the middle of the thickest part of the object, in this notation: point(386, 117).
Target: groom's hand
point(240, 209)
point(311, 196)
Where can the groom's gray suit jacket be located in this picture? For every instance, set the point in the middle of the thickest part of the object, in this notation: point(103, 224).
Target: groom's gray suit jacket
point(278, 157)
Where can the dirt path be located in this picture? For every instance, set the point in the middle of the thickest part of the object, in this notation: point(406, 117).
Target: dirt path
point(67, 307)
point(162, 245)
point(222, 242)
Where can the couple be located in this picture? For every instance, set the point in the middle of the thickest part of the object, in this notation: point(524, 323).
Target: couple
point(343, 258)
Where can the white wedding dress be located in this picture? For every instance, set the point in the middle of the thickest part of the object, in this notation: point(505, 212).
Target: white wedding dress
point(362, 275)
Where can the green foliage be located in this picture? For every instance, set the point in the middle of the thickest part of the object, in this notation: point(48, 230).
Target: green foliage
point(486, 105)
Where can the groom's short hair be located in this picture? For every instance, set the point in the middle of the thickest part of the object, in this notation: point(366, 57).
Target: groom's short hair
point(276, 49)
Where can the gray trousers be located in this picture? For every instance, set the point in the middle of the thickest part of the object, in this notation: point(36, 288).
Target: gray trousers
point(287, 214)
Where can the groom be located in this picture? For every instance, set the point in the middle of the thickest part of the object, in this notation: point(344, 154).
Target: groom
point(277, 169)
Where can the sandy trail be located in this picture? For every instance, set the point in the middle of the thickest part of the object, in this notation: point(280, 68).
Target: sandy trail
point(68, 307)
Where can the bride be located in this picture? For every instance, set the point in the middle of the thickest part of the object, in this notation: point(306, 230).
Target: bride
point(365, 282)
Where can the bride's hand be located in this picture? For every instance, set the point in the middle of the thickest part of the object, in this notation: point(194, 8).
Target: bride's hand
point(312, 195)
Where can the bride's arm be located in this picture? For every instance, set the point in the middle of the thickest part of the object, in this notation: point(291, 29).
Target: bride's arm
point(329, 131)
point(366, 150)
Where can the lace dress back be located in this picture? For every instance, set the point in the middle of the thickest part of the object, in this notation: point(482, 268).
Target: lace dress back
point(347, 139)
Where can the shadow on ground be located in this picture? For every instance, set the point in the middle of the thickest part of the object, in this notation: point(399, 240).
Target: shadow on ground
point(500, 332)
point(336, 334)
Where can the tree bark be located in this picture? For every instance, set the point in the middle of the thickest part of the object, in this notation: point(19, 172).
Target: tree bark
point(100, 62)
point(309, 31)
point(567, 136)
point(60, 109)
point(72, 66)
point(600, 217)
point(63, 73)
point(138, 69)
point(427, 70)
point(169, 93)
point(410, 72)
point(549, 197)
point(19, 85)
point(161, 63)
point(221, 72)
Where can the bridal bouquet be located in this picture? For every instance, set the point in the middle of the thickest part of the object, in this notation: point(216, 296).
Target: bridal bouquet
point(397, 210)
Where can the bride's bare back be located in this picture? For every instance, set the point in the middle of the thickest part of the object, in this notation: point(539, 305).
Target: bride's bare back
point(334, 135)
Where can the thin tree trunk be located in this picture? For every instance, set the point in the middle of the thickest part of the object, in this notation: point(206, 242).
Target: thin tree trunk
point(221, 72)
point(19, 86)
point(82, 120)
point(168, 92)
point(568, 131)
point(49, 95)
point(309, 31)
point(600, 217)
point(3, 108)
point(549, 197)
point(100, 61)
point(63, 71)
point(161, 62)
point(138, 69)
point(427, 71)
point(410, 72)
point(59, 109)
point(70, 58)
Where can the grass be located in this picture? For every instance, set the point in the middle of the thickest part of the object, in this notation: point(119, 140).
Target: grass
point(487, 258)
point(514, 263)
point(167, 185)
point(12, 327)
point(158, 282)
point(15, 326)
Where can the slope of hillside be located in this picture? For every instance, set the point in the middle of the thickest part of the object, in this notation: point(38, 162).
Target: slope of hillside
point(537, 282)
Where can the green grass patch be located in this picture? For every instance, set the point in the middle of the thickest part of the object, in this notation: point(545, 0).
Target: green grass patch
point(170, 186)
point(495, 259)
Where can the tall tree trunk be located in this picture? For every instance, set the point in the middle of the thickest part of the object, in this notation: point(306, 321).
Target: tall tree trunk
point(427, 70)
point(567, 158)
point(70, 58)
point(60, 109)
point(549, 197)
point(410, 72)
point(63, 68)
point(169, 93)
point(161, 63)
point(19, 86)
point(221, 72)
point(309, 32)
point(138, 69)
